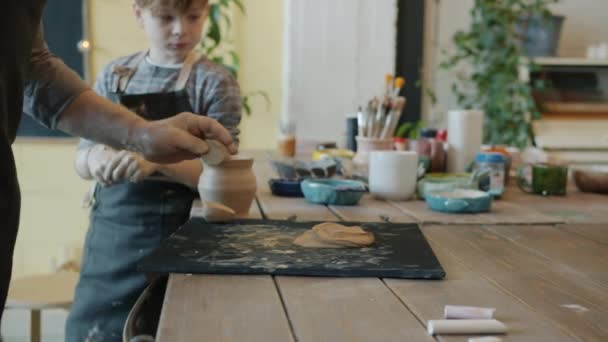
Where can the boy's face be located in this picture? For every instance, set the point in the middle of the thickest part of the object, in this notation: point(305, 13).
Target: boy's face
point(171, 34)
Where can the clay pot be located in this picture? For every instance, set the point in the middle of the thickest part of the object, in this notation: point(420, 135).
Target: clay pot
point(232, 183)
point(366, 145)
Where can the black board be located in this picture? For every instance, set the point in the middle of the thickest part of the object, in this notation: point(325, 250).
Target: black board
point(265, 247)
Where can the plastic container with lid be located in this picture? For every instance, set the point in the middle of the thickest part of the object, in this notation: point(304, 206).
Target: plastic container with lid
point(494, 163)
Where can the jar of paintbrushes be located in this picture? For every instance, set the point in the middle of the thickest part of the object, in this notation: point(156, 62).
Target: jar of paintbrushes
point(378, 121)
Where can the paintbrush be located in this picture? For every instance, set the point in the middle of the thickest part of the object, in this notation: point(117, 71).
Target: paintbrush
point(362, 122)
point(399, 83)
point(388, 78)
point(392, 118)
point(381, 116)
point(372, 107)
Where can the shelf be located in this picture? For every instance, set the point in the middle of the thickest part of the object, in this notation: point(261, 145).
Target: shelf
point(570, 61)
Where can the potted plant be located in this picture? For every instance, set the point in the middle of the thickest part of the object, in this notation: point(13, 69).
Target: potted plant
point(219, 49)
point(492, 49)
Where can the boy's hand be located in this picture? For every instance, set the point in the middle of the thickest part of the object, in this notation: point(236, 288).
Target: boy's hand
point(98, 158)
point(127, 166)
point(178, 138)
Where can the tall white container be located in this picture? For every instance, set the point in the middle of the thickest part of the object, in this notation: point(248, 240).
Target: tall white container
point(465, 134)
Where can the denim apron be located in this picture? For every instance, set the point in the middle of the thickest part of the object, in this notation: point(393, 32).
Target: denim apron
point(127, 222)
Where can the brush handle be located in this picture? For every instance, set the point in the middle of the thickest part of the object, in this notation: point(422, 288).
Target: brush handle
point(388, 123)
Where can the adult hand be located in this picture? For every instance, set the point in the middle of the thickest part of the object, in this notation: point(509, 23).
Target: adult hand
point(177, 138)
point(127, 166)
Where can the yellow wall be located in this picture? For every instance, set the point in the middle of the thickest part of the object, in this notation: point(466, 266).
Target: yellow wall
point(259, 42)
point(53, 225)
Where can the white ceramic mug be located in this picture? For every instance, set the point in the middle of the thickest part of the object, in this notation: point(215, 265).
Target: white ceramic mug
point(393, 174)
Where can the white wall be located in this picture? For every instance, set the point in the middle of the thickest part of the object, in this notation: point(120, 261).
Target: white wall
point(336, 54)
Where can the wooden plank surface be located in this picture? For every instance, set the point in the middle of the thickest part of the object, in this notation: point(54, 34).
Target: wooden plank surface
point(347, 309)
point(462, 286)
point(575, 207)
point(594, 232)
point(502, 213)
point(222, 308)
point(552, 289)
point(548, 282)
point(426, 299)
point(370, 209)
point(559, 246)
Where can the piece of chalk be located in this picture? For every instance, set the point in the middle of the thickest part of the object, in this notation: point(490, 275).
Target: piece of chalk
point(485, 339)
point(468, 312)
point(465, 326)
point(216, 154)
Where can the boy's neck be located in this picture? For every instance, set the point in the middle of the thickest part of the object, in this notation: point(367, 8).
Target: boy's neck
point(160, 58)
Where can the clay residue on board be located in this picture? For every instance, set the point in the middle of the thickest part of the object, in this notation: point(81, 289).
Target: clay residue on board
point(334, 235)
point(271, 247)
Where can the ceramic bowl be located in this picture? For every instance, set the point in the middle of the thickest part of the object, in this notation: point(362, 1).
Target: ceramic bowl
point(333, 191)
point(591, 178)
point(298, 169)
point(285, 188)
point(459, 201)
point(445, 182)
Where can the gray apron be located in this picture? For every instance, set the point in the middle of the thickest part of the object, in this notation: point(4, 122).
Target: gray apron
point(127, 222)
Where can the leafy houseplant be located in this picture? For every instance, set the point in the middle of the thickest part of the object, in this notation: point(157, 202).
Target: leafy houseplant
point(492, 48)
point(410, 130)
point(217, 46)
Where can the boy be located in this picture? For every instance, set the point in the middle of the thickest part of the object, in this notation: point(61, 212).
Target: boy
point(137, 203)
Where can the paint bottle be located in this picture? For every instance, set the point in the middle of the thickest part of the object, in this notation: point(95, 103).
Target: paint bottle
point(494, 164)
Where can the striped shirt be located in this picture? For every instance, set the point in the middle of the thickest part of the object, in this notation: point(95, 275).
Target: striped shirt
point(211, 88)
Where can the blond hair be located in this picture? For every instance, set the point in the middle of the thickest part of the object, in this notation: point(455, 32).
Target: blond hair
point(182, 6)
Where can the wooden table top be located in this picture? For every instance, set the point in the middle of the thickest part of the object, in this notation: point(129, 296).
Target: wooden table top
point(541, 262)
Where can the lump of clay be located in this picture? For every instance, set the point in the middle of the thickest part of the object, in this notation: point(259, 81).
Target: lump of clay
point(216, 154)
point(217, 212)
point(334, 235)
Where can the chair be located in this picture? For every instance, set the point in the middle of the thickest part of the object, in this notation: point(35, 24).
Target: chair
point(36, 293)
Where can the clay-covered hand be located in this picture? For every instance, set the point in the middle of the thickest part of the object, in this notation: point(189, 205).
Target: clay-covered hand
point(127, 166)
point(97, 159)
point(178, 138)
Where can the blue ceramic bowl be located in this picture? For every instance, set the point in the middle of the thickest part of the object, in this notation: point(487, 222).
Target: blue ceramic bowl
point(285, 188)
point(459, 201)
point(333, 191)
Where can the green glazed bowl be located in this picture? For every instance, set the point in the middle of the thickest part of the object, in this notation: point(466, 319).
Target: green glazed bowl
point(333, 191)
point(459, 201)
point(445, 182)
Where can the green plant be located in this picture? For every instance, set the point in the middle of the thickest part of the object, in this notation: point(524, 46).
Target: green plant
point(217, 46)
point(410, 130)
point(492, 48)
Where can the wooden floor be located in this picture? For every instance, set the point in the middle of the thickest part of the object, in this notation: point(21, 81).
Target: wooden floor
point(541, 262)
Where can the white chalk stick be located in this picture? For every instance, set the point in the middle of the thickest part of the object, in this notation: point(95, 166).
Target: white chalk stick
point(468, 312)
point(485, 339)
point(465, 326)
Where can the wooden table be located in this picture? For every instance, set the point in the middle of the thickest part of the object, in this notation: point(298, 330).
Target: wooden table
point(542, 262)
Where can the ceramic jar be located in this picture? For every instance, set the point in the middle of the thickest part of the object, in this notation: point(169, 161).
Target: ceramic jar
point(366, 145)
point(232, 183)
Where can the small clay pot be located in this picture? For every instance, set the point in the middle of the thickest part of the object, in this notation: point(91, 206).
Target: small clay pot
point(232, 183)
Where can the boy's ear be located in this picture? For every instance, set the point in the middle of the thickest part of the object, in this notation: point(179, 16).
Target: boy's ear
point(137, 12)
